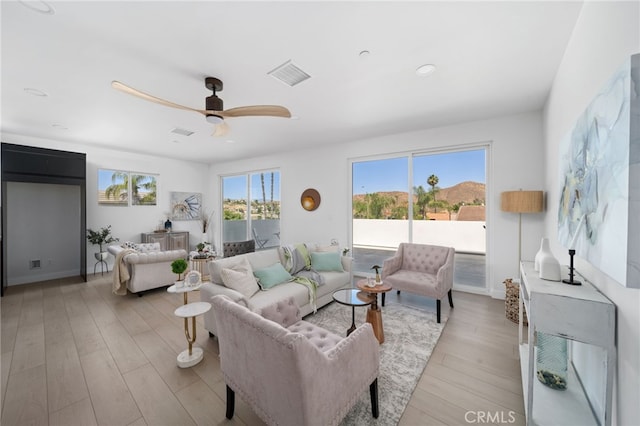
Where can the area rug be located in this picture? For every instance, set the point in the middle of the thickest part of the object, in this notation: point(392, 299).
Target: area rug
point(410, 335)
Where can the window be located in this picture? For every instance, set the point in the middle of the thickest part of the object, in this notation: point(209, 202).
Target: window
point(251, 208)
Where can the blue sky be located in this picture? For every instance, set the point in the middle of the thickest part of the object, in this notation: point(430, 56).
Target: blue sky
point(235, 187)
point(383, 175)
point(391, 174)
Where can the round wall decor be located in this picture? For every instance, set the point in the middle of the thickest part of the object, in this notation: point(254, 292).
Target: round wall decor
point(310, 199)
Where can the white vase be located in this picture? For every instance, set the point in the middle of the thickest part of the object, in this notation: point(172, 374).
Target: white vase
point(544, 249)
point(204, 238)
point(545, 262)
point(549, 268)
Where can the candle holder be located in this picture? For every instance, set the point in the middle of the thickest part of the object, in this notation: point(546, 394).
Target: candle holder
point(571, 281)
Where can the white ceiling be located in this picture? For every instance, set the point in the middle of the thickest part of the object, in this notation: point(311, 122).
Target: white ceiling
point(492, 58)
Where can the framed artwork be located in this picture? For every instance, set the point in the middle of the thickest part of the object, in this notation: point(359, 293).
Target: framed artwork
point(143, 189)
point(113, 187)
point(186, 205)
point(193, 279)
point(599, 210)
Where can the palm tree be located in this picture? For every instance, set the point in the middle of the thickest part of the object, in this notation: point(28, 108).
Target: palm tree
point(118, 191)
point(137, 182)
point(433, 181)
point(422, 199)
point(272, 208)
point(264, 196)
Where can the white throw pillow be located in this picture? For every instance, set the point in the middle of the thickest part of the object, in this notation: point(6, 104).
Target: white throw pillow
point(241, 281)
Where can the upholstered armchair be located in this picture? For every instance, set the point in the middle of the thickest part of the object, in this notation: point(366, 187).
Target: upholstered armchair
point(292, 372)
point(421, 269)
point(238, 247)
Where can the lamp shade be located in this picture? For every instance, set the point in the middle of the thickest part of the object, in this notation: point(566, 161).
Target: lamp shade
point(521, 201)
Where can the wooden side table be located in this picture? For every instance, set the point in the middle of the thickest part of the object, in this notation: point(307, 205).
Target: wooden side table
point(374, 314)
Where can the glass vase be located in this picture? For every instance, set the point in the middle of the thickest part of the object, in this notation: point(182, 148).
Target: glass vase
point(551, 361)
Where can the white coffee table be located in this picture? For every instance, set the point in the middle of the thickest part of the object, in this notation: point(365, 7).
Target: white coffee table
point(193, 355)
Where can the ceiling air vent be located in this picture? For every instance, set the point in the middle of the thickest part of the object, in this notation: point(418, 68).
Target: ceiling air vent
point(289, 74)
point(183, 132)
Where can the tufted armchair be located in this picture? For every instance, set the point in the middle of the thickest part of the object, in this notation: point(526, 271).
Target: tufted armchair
point(421, 269)
point(292, 372)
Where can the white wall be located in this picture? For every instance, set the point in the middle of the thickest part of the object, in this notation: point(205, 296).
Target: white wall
point(128, 222)
point(606, 34)
point(516, 161)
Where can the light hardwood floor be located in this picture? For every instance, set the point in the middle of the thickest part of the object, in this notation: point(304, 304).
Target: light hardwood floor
point(74, 354)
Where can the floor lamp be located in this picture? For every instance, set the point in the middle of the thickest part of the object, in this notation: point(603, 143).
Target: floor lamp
point(521, 202)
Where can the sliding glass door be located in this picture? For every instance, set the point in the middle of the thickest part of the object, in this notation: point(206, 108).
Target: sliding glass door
point(251, 208)
point(429, 198)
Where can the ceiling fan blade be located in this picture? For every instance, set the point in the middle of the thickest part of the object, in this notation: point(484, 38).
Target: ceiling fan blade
point(221, 129)
point(135, 92)
point(257, 111)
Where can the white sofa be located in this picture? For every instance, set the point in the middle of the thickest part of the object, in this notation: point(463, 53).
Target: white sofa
point(148, 267)
point(333, 280)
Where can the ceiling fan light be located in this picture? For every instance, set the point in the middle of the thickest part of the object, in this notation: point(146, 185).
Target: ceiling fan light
point(214, 119)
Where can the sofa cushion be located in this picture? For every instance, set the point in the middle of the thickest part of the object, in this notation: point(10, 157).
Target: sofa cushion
point(326, 261)
point(243, 281)
point(272, 276)
point(235, 262)
point(130, 245)
point(294, 258)
point(148, 247)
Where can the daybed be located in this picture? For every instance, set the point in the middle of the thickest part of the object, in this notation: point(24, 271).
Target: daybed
point(146, 266)
point(259, 279)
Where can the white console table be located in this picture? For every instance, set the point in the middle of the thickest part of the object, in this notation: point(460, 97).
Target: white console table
point(577, 313)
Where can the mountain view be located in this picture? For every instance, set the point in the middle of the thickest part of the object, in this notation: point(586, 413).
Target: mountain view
point(445, 201)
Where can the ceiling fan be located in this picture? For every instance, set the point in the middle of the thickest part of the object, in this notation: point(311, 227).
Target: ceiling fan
point(214, 111)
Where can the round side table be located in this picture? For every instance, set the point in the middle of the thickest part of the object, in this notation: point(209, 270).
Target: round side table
point(193, 355)
point(352, 297)
point(374, 314)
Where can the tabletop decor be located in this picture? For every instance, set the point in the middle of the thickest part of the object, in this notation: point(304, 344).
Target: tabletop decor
point(178, 266)
point(377, 269)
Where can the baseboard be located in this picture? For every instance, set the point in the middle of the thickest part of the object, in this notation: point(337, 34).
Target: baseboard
point(28, 279)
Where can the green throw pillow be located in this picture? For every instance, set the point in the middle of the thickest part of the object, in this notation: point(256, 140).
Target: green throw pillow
point(272, 275)
point(326, 261)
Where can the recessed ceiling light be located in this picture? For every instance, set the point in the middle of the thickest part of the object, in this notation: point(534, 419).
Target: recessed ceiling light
point(35, 92)
point(59, 126)
point(175, 141)
point(425, 69)
point(39, 6)
point(363, 54)
point(294, 117)
point(230, 141)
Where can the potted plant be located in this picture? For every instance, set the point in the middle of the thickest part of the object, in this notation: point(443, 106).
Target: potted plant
point(377, 269)
point(178, 266)
point(100, 237)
